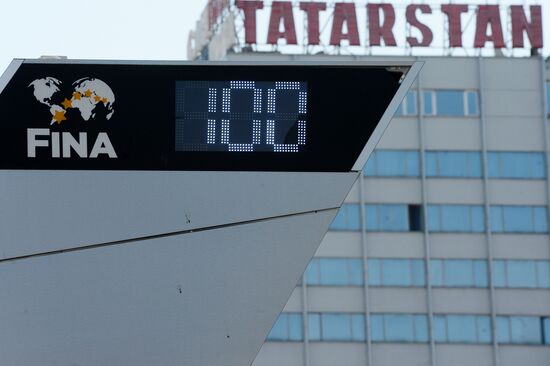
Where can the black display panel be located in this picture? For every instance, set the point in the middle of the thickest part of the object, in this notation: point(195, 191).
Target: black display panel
point(241, 116)
point(156, 117)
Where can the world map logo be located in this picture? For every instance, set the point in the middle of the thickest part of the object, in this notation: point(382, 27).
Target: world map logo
point(88, 95)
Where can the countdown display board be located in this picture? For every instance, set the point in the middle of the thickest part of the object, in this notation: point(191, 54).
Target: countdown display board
point(253, 117)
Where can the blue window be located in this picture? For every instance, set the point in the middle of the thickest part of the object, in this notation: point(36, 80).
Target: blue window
point(347, 218)
point(399, 328)
point(288, 327)
point(335, 272)
point(546, 330)
point(472, 103)
point(519, 219)
point(462, 329)
point(387, 217)
point(451, 103)
point(459, 273)
point(397, 272)
point(519, 329)
point(521, 273)
point(336, 327)
point(393, 163)
point(408, 106)
point(516, 165)
point(457, 164)
point(456, 218)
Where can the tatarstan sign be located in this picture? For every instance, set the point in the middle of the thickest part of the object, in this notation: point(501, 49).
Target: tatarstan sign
point(363, 24)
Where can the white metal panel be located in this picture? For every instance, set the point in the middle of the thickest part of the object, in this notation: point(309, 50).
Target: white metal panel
point(517, 192)
point(401, 354)
point(449, 133)
point(205, 298)
point(461, 355)
point(392, 190)
point(402, 133)
point(523, 301)
point(533, 246)
point(402, 300)
point(512, 355)
point(455, 191)
point(395, 245)
point(335, 299)
point(337, 353)
point(55, 210)
point(514, 134)
point(461, 301)
point(280, 353)
point(340, 244)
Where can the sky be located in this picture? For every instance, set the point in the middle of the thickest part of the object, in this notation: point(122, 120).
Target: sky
point(114, 29)
point(98, 29)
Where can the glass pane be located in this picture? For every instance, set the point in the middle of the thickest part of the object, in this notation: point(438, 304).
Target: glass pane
point(396, 272)
point(375, 278)
point(458, 273)
point(497, 224)
point(312, 272)
point(399, 328)
point(413, 164)
point(358, 327)
point(314, 325)
point(499, 274)
point(440, 329)
point(546, 330)
point(478, 219)
point(333, 271)
point(420, 328)
point(339, 222)
point(336, 327)
point(295, 332)
point(521, 274)
point(526, 329)
point(432, 169)
point(473, 109)
point(370, 167)
point(418, 272)
point(355, 272)
point(543, 274)
point(481, 274)
point(450, 102)
point(353, 216)
point(371, 213)
point(514, 165)
point(377, 328)
point(548, 98)
point(518, 219)
point(434, 220)
point(437, 272)
point(391, 163)
point(461, 328)
point(541, 220)
point(493, 164)
point(411, 103)
point(393, 217)
point(537, 165)
point(279, 332)
point(484, 329)
point(455, 218)
point(428, 103)
point(503, 329)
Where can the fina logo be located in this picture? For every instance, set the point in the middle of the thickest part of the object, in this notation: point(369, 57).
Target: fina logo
point(88, 96)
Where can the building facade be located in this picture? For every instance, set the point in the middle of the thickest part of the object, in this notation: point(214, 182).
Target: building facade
point(441, 253)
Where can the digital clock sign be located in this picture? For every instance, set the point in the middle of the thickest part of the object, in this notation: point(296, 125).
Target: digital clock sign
point(90, 115)
point(241, 116)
